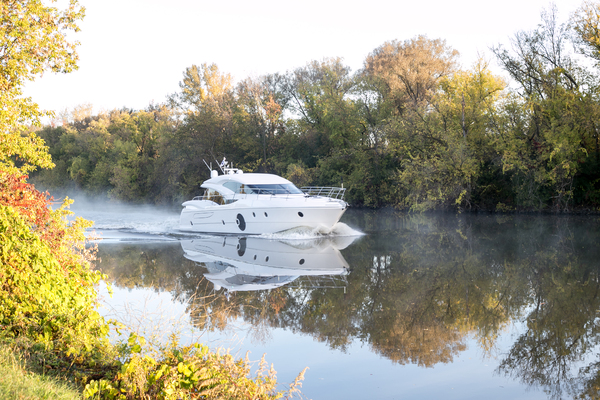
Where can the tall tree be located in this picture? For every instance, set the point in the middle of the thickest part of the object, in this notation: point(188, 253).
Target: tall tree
point(262, 104)
point(405, 79)
point(409, 72)
point(207, 104)
point(460, 147)
point(33, 39)
point(320, 100)
point(407, 75)
point(544, 157)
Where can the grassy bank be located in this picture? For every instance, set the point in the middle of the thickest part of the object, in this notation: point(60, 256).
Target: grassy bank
point(20, 380)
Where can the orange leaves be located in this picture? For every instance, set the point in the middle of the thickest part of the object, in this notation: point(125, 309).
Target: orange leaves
point(31, 204)
point(65, 241)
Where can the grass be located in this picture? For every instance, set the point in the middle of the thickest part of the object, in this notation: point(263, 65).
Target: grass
point(18, 382)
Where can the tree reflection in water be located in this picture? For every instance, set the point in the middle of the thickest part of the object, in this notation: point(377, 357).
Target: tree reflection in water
point(418, 287)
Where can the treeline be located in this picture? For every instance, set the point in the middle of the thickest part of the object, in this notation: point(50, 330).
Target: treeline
point(411, 129)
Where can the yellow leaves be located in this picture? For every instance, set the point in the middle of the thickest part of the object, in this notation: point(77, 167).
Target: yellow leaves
point(202, 87)
point(467, 96)
point(411, 69)
point(27, 147)
point(460, 197)
point(32, 40)
point(586, 23)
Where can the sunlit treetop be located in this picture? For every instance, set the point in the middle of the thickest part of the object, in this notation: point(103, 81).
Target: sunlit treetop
point(586, 24)
point(33, 39)
point(202, 87)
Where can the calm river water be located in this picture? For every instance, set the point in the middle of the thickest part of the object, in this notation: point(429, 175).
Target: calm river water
point(417, 307)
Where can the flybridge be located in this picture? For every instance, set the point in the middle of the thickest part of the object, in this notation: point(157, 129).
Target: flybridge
point(269, 186)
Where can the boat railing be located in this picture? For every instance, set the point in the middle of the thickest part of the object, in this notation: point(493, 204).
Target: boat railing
point(321, 191)
point(325, 191)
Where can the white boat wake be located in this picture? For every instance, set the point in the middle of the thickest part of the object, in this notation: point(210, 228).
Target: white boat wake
point(307, 233)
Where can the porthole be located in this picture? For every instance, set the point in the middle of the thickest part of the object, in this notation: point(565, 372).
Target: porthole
point(254, 215)
point(301, 261)
point(300, 214)
point(266, 258)
point(266, 215)
point(223, 222)
point(241, 223)
point(255, 257)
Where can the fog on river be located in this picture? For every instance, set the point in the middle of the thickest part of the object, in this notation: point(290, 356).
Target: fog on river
point(391, 306)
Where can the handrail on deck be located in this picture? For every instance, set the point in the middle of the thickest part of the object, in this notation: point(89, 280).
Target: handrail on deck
point(325, 191)
point(322, 191)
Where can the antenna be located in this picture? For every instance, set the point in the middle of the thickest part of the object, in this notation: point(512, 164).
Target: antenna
point(222, 165)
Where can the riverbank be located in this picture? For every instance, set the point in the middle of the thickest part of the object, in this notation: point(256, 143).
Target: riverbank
point(22, 379)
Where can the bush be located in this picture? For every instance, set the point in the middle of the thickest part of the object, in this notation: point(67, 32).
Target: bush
point(46, 286)
point(192, 372)
point(48, 307)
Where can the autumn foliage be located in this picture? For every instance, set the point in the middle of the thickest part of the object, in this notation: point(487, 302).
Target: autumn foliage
point(46, 284)
point(35, 209)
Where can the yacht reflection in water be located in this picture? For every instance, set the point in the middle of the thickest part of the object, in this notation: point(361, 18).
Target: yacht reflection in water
point(252, 263)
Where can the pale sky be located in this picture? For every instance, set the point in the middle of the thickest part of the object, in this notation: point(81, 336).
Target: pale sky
point(134, 52)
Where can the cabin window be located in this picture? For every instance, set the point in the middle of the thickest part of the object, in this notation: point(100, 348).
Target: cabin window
point(279, 188)
point(237, 187)
point(213, 195)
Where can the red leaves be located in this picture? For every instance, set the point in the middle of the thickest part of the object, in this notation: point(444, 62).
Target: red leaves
point(51, 226)
point(31, 203)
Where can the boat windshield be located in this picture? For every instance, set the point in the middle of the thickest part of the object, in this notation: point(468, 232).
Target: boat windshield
point(277, 188)
point(280, 188)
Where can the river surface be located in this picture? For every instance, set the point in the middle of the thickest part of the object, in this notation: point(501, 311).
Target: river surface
point(391, 306)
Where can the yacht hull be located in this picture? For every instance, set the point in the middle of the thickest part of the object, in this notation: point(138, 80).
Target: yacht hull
point(255, 217)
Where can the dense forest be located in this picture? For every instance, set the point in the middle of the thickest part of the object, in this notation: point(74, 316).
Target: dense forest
point(412, 129)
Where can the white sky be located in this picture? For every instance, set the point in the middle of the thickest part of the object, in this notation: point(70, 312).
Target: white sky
point(134, 52)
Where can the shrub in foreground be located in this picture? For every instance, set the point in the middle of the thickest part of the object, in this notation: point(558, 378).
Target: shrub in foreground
point(191, 372)
point(47, 289)
point(48, 305)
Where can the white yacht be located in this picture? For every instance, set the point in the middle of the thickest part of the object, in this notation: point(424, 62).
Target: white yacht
point(253, 203)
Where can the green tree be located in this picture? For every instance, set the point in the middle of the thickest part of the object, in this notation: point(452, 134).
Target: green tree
point(448, 173)
point(555, 136)
point(432, 118)
point(324, 112)
point(261, 112)
point(405, 77)
point(33, 39)
point(207, 106)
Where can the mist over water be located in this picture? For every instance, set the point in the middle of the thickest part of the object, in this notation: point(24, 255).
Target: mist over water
point(135, 219)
